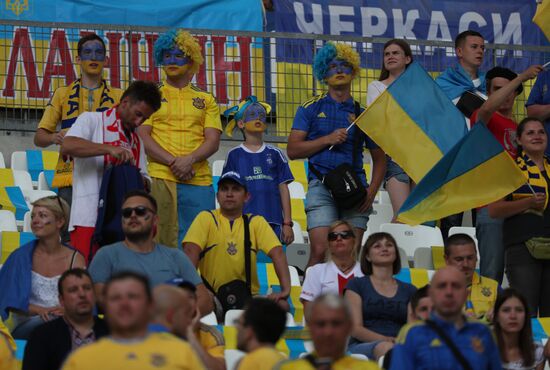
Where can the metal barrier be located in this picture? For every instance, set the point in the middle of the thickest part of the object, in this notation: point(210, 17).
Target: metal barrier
point(36, 58)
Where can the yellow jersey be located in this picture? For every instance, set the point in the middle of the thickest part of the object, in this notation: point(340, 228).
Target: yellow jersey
point(343, 363)
point(211, 340)
point(178, 127)
point(482, 297)
point(264, 358)
point(222, 246)
point(157, 351)
point(7, 360)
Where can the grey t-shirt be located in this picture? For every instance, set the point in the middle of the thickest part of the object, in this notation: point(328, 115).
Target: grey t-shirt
point(160, 265)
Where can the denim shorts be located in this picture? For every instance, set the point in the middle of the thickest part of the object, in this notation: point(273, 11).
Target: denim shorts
point(322, 211)
point(363, 348)
point(394, 170)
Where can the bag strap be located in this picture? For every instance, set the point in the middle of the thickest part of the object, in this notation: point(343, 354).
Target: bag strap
point(247, 252)
point(454, 349)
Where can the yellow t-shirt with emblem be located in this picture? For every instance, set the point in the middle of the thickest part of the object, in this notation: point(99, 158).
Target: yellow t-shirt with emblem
point(211, 340)
point(54, 110)
point(178, 127)
point(156, 352)
point(264, 358)
point(482, 297)
point(222, 246)
point(344, 363)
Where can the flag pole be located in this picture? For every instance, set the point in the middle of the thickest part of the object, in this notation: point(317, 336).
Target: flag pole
point(347, 130)
point(530, 187)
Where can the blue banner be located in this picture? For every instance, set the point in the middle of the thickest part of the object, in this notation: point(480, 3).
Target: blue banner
point(499, 21)
point(243, 15)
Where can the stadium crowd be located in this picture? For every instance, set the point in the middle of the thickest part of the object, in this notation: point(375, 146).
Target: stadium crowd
point(132, 257)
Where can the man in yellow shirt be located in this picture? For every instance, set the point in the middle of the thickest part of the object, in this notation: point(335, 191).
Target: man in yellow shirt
point(460, 251)
point(180, 137)
point(215, 241)
point(329, 322)
point(89, 93)
point(128, 307)
point(258, 330)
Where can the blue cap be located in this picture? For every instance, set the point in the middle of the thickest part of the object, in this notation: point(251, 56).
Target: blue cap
point(232, 176)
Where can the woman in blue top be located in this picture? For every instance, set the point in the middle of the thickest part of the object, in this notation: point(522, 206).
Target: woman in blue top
point(378, 301)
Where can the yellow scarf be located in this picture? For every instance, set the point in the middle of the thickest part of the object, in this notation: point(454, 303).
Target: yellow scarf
point(534, 178)
point(63, 176)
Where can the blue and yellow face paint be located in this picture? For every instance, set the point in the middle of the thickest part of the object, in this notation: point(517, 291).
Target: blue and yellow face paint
point(251, 115)
point(175, 62)
point(340, 72)
point(92, 57)
point(178, 52)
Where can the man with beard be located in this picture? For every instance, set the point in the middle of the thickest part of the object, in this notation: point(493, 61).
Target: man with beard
point(98, 140)
point(139, 253)
point(52, 342)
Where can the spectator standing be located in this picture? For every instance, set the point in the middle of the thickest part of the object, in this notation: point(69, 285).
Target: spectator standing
point(180, 137)
point(30, 275)
point(258, 329)
point(378, 301)
point(538, 103)
point(427, 344)
point(330, 326)
point(503, 86)
point(51, 343)
point(89, 93)
point(128, 308)
point(460, 252)
point(396, 57)
point(321, 132)
point(215, 242)
point(139, 252)
point(512, 327)
point(263, 166)
point(97, 140)
point(341, 266)
point(527, 220)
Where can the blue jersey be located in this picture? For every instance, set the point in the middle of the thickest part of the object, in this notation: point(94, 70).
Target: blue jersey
point(322, 115)
point(263, 171)
point(419, 347)
point(540, 94)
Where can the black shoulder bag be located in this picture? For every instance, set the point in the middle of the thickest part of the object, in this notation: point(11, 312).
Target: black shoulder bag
point(449, 343)
point(236, 293)
point(343, 182)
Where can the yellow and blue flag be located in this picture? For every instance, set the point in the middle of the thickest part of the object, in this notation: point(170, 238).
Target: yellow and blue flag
point(414, 122)
point(40, 160)
point(12, 199)
point(542, 18)
point(475, 172)
point(11, 240)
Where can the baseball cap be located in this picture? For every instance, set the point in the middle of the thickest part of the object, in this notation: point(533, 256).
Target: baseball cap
point(504, 73)
point(232, 176)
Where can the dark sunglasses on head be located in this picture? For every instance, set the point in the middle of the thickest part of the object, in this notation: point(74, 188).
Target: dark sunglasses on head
point(139, 210)
point(343, 234)
point(58, 198)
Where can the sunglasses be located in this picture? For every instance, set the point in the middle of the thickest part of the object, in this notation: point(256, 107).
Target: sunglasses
point(139, 210)
point(58, 198)
point(343, 234)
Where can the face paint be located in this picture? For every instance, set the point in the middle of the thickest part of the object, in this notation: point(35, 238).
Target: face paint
point(92, 57)
point(176, 57)
point(339, 72)
point(254, 118)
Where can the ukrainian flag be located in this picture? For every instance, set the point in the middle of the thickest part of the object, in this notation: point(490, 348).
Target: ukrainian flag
point(542, 18)
point(40, 160)
point(476, 172)
point(414, 122)
point(12, 199)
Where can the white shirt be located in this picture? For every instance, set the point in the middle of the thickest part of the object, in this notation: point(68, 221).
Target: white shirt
point(323, 278)
point(374, 89)
point(88, 172)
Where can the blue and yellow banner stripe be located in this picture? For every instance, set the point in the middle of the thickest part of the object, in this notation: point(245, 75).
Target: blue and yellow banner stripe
point(40, 160)
point(476, 172)
point(416, 277)
point(12, 199)
point(11, 240)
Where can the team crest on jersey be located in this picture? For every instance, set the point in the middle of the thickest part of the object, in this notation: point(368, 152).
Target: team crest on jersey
point(486, 291)
point(231, 248)
point(477, 345)
point(158, 360)
point(268, 159)
point(351, 117)
point(199, 103)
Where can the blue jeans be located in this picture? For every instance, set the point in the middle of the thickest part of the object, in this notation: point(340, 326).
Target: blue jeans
point(491, 248)
point(363, 348)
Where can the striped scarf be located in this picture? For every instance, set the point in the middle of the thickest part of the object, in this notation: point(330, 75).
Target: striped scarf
point(70, 111)
point(534, 176)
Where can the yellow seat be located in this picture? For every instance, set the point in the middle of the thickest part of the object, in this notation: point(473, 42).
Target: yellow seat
point(299, 212)
point(298, 170)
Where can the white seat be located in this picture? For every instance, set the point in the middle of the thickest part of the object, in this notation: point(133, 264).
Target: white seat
point(403, 257)
point(27, 222)
point(231, 316)
point(217, 167)
point(22, 179)
point(298, 233)
point(411, 237)
point(296, 190)
point(2, 161)
point(19, 161)
point(7, 221)
point(42, 182)
point(359, 356)
point(290, 320)
point(33, 195)
point(297, 254)
point(210, 319)
point(232, 358)
point(463, 230)
point(382, 213)
point(294, 277)
point(383, 197)
point(423, 258)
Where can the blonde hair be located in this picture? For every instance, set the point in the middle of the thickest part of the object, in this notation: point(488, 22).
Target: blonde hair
point(333, 226)
point(58, 206)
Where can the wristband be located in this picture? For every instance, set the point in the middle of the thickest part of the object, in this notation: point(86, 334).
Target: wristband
point(290, 223)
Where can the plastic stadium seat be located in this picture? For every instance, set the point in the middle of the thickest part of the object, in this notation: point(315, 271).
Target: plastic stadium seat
point(411, 237)
point(19, 160)
point(463, 230)
point(232, 358)
point(231, 316)
point(298, 212)
point(298, 233)
point(210, 319)
point(381, 214)
point(296, 190)
point(33, 195)
point(217, 167)
point(298, 169)
point(297, 254)
point(414, 276)
point(2, 161)
point(27, 222)
point(22, 179)
point(34, 161)
point(11, 240)
point(7, 221)
point(423, 258)
point(383, 197)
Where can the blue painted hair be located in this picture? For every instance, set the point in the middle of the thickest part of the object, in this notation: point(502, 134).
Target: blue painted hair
point(183, 41)
point(330, 51)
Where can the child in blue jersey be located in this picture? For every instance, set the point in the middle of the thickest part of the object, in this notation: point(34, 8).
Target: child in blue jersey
point(264, 167)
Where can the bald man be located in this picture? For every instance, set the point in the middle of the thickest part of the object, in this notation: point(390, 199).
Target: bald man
point(173, 312)
point(422, 345)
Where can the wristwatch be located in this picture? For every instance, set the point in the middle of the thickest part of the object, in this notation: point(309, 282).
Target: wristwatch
point(290, 223)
